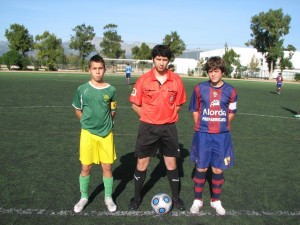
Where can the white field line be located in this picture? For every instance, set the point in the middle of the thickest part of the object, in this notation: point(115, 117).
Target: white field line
point(34, 107)
point(253, 114)
point(141, 213)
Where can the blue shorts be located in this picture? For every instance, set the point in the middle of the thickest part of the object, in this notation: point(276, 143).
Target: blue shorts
point(214, 150)
point(278, 85)
point(128, 75)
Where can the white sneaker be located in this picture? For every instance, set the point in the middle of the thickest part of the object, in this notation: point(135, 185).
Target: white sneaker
point(197, 205)
point(80, 205)
point(109, 202)
point(218, 207)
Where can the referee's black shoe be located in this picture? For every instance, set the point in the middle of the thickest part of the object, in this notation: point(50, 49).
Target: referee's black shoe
point(178, 204)
point(134, 203)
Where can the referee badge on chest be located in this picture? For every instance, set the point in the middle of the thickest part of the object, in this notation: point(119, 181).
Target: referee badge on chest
point(172, 98)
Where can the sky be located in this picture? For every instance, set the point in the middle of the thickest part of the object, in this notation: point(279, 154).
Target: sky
point(200, 24)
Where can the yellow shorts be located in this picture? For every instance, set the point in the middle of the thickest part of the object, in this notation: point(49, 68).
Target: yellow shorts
point(95, 149)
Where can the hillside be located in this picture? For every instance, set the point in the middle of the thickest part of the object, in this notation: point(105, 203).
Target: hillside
point(126, 46)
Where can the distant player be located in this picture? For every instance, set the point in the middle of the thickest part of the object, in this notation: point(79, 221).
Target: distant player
point(213, 106)
point(95, 104)
point(279, 82)
point(128, 71)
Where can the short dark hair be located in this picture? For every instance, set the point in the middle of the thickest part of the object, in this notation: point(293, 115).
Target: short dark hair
point(96, 58)
point(215, 62)
point(170, 66)
point(161, 50)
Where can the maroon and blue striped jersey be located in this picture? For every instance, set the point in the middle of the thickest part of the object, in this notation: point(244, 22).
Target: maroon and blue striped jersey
point(213, 105)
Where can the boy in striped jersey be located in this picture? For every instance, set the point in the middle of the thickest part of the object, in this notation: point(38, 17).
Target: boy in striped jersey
point(213, 106)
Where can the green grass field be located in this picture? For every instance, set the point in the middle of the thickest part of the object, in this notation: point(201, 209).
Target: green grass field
point(40, 167)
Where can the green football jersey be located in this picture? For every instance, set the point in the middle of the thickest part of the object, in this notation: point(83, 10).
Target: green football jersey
point(96, 105)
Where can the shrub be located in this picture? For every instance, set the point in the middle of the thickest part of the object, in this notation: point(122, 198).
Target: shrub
point(297, 77)
point(12, 58)
point(190, 72)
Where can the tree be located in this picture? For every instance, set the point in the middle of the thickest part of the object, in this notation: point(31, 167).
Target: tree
point(142, 52)
point(73, 61)
point(231, 59)
point(200, 65)
point(111, 43)
point(19, 39)
point(35, 62)
point(285, 62)
point(254, 63)
point(50, 50)
point(267, 34)
point(81, 42)
point(175, 43)
point(12, 58)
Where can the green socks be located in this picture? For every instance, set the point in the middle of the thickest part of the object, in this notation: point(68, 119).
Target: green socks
point(84, 186)
point(108, 186)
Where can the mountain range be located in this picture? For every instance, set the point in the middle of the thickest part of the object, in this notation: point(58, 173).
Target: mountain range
point(96, 41)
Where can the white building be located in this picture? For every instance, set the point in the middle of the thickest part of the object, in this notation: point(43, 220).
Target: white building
point(183, 65)
point(246, 54)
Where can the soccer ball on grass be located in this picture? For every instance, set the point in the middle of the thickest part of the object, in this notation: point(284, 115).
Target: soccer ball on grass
point(161, 203)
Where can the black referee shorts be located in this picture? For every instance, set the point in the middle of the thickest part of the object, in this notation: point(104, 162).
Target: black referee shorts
point(152, 137)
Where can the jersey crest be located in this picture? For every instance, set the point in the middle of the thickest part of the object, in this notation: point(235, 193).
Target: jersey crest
point(133, 93)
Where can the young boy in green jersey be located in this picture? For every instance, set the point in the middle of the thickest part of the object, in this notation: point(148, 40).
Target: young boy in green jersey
point(95, 103)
